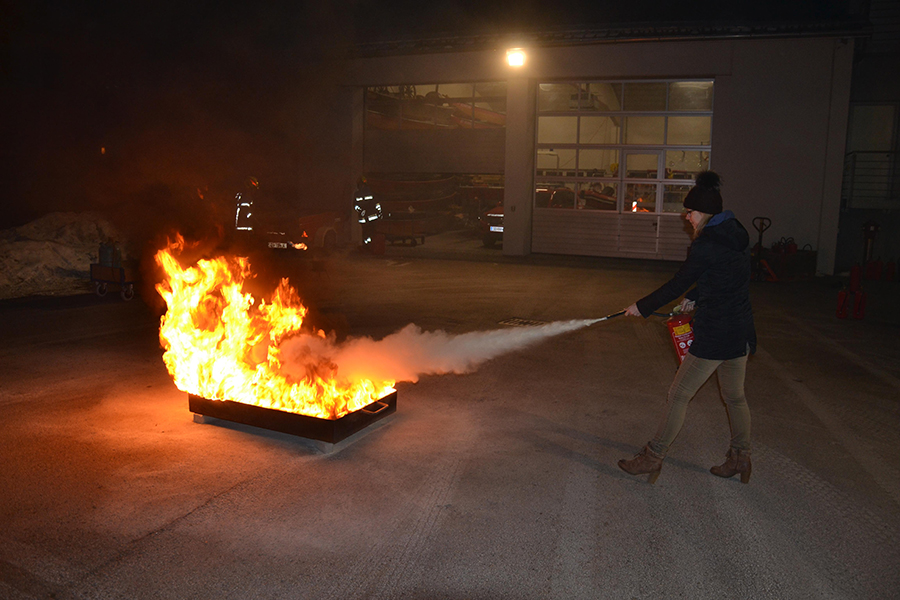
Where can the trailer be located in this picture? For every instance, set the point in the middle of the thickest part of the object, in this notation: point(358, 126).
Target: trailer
point(123, 275)
point(406, 228)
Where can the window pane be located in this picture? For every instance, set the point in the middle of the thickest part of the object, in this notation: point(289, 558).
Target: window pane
point(673, 197)
point(685, 164)
point(604, 96)
point(453, 92)
point(689, 131)
point(455, 96)
point(557, 130)
point(487, 118)
point(598, 195)
point(382, 108)
point(581, 99)
point(871, 127)
point(598, 163)
point(645, 96)
point(422, 107)
point(645, 130)
point(436, 106)
point(640, 197)
point(556, 162)
point(494, 91)
point(462, 115)
point(690, 95)
point(422, 89)
point(554, 194)
point(490, 104)
point(542, 193)
point(557, 96)
point(642, 166)
point(599, 130)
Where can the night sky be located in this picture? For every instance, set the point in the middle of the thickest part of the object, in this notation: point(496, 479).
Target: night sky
point(118, 104)
point(187, 96)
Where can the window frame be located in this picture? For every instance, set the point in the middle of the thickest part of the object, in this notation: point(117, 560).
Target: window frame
point(620, 181)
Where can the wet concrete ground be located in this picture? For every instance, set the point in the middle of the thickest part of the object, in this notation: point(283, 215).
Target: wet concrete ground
point(501, 483)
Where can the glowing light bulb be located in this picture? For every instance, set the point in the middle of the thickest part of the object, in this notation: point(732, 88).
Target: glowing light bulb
point(515, 57)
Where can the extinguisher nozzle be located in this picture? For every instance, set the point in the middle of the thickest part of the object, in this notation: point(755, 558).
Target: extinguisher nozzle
point(612, 316)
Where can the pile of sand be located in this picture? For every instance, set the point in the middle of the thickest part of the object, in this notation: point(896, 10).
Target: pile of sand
point(52, 256)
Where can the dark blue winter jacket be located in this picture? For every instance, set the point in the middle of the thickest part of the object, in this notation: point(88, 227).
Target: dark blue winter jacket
point(719, 263)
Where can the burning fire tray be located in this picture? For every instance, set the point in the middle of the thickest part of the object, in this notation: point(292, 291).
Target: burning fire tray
point(331, 431)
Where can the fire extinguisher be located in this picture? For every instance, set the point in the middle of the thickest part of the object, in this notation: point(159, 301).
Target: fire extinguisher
point(859, 305)
point(843, 304)
point(682, 334)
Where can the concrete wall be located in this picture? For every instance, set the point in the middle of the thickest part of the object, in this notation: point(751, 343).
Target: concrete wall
point(518, 193)
point(870, 85)
point(779, 120)
point(779, 127)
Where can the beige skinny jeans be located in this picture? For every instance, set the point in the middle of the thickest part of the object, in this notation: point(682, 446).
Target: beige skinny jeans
point(692, 374)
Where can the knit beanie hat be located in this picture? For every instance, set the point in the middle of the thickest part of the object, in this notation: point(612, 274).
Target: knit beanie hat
point(704, 196)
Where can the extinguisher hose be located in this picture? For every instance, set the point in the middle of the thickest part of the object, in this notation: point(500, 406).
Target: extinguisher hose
point(622, 312)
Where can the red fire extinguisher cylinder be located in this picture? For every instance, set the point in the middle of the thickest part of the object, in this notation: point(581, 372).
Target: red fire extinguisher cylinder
point(682, 334)
point(843, 304)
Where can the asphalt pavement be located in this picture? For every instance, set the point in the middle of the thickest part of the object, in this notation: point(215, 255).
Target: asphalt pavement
point(500, 483)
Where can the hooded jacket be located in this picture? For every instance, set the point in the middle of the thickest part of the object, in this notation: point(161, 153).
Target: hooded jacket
point(719, 263)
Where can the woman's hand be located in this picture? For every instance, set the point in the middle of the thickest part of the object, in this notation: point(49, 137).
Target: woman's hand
point(633, 311)
point(687, 305)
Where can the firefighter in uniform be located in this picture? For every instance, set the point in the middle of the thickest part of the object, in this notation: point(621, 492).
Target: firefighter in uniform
point(368, 211)
point(244, 205)
point(243, 236)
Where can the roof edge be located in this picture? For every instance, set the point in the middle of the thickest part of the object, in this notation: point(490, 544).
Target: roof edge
point(626, 33)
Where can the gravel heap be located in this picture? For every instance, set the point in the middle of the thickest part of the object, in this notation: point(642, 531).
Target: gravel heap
point(52, 256)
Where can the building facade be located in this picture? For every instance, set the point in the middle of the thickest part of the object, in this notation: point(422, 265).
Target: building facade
point(870, 203)
point(597, 143)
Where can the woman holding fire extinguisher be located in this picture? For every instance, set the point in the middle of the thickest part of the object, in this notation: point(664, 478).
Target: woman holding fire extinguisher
point(718, 263)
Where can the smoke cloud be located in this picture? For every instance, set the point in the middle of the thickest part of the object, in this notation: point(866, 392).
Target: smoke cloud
point(412, 352)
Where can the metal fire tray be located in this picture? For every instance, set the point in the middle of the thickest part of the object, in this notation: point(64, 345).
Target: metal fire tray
point(331, 431)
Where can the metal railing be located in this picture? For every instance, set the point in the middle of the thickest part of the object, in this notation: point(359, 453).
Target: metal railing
point(871, 180)
point(885, 18)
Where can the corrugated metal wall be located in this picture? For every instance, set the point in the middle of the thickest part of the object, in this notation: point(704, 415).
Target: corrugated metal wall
point(674, 239)
point(594, 233)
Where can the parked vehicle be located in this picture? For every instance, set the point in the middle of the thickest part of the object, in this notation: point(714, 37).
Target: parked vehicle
point(554, 197)
point(595, 198)
point(550, 197)
point(304, 231)
point(492, 225)
point(284, 220)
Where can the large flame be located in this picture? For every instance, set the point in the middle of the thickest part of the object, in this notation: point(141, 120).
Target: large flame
point(219, 344)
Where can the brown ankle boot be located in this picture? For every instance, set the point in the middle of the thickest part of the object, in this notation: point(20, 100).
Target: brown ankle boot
point(736, 461)
point(644, 462)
